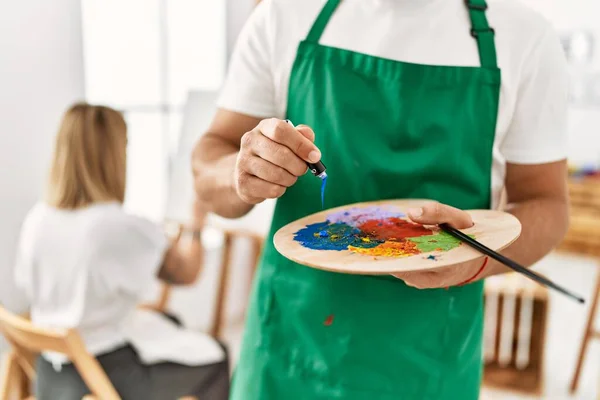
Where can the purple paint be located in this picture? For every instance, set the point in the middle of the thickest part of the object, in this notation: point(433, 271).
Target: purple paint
point(357, 216)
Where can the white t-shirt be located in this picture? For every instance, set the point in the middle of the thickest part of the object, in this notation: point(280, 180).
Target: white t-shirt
point(531, 127)
point(87, 269)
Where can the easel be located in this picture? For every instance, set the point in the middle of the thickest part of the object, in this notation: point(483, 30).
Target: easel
point(230, 235)
point(584, 238)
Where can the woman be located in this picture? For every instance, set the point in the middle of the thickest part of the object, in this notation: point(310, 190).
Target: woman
point(85, 263)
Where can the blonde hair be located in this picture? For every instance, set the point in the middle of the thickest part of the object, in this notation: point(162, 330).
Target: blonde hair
point(89, 162)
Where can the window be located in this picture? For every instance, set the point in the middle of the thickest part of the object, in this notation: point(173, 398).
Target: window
point(142, 57)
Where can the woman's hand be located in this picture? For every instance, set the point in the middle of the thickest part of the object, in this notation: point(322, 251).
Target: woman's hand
point(434, 214)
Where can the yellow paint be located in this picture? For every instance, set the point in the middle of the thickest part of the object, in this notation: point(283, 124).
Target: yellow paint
point(389, 249)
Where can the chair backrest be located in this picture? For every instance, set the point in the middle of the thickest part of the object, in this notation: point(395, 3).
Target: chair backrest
point(27, 340)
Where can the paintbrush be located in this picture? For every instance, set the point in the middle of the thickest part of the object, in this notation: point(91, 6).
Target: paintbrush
point(508, 262)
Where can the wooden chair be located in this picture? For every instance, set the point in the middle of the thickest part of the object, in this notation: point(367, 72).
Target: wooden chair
point(14, 384)
point(27, 340)
point(583, 238)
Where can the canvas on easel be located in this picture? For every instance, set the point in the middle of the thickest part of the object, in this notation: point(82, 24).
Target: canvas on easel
point(198, 112)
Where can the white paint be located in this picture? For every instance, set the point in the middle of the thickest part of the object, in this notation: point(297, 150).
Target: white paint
point(41, 73)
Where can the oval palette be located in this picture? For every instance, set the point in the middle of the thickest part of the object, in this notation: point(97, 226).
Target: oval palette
point(377, 238)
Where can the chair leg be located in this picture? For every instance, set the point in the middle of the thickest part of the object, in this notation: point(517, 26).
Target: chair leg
point(8, 364)
point(13, 382)
point(589, 333)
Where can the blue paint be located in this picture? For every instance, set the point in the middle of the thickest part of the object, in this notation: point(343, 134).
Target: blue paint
point(323, 184)
point(327, 236)
point(432, 257)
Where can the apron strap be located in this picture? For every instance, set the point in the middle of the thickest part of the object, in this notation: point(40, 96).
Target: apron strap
point(321, 22)
point(482, 32)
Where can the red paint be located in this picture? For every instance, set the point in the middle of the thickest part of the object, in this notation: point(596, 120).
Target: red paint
point(393, 229)
point(328, 320)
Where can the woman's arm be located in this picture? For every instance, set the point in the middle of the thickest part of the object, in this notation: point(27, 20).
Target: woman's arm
point(184, 259)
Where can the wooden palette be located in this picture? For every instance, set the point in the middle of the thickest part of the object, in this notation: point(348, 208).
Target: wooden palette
point(495, 229)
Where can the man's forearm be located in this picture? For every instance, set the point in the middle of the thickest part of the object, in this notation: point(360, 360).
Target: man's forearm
point(213, 163)
point(544, 224)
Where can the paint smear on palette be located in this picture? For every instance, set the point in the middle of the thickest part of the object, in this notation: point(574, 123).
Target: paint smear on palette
point(328, 236)
point(374, 231)
point(403, 248)
point(357, 216)
point(440, 241)
point(392, 228)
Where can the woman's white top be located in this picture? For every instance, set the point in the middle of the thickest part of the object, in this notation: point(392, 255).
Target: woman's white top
point(87, 269)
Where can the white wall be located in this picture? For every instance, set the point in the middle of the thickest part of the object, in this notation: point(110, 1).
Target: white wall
point(41, 73)
point(238, 12)
point(584, 121)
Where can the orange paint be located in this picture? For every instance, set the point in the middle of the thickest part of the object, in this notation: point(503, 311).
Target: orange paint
point(404, 248)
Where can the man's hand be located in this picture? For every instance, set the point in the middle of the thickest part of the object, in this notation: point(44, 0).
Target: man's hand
point(271, 158)
point(434, 214)
point(444, 277)
point(537, 196)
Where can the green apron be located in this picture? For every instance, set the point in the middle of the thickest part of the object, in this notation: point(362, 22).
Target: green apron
point(387, 130)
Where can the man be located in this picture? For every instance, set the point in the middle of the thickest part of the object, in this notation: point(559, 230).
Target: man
point(432, 99)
